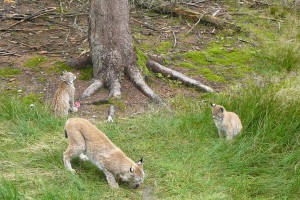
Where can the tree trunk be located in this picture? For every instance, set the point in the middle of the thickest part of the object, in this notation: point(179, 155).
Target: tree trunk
point(112, 49)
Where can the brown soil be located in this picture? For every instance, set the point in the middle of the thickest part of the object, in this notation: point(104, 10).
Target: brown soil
point(61, 37)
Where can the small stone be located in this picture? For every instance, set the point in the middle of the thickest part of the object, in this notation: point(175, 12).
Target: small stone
point(19, 91)
point(12, 79)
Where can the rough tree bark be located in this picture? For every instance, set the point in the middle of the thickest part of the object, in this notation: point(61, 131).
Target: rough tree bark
point(111, 49)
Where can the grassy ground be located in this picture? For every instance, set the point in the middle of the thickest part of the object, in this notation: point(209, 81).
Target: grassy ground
point(183, 156)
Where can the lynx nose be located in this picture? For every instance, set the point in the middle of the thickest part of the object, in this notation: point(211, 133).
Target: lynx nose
point(136, 186)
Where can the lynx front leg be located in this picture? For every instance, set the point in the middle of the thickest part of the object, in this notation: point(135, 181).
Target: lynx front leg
point(111, 179)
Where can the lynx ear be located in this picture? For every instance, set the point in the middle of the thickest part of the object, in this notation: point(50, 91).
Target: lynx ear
point(212, 104)
point(140, 162)
point(131, 170)
point(62, 78)
point(222, 109)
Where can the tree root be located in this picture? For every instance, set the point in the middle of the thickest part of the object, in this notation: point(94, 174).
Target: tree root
point(94, 87)
point(158, 68)
point(137, 79)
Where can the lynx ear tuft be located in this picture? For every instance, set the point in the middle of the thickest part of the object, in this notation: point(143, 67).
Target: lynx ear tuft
point(131, 170)
point(212, 104)
point(140, 162)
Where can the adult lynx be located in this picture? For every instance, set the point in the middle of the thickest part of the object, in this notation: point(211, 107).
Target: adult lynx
point(89, 143)
point(63, 99)
point(226, 122)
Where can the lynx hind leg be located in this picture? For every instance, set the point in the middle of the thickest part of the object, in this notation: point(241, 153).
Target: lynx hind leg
point(229, 134)
point(76, 148)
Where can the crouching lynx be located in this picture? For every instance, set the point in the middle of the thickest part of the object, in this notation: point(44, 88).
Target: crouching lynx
point(63, 99)
point(226, 122)
point(89, 143)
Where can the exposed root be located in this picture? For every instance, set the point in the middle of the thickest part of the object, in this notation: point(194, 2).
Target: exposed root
point(115, 89)
point(158, 68)
point(139, 82)
point(111, 113)
point(94, 87)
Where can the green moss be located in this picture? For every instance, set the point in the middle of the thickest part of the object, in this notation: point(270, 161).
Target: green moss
point(163, 47)
point(9, 71)
point(210, 76)
point(61, 65)
point(86, 73)
point(141, 61)
point(35, 62)
point(32, 98)
point(187, 65)
point(197, 57)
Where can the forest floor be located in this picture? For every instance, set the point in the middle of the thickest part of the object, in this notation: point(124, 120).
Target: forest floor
point(34, 52)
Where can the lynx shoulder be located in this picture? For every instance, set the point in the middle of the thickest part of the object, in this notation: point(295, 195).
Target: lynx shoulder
point(89, 143)
point(63, 99)
point(227, 123)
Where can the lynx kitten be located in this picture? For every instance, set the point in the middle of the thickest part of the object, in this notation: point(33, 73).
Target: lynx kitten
point(226, 122)
point(63, 100)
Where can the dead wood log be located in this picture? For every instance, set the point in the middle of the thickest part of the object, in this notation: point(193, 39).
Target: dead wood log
point(158, 68)
point(178, 10)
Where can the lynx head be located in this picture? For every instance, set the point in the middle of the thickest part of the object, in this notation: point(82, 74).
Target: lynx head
point(135, 174)
point(217, 111)
point(68, 77)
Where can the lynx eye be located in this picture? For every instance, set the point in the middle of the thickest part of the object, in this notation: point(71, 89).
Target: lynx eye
point(131, 170)
point(222, 109)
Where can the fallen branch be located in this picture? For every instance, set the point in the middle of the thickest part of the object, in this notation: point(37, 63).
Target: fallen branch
point(172, 9)
point(158, 68)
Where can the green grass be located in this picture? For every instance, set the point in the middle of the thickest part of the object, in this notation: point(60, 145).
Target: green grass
point(183, 156)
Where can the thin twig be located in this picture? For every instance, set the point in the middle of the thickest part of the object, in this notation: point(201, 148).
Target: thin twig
point(175, 41)
point(144, 24)
point(196, 23)
point(33, 16)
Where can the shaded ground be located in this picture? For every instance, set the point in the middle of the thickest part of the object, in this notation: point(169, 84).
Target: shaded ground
point(62, 35)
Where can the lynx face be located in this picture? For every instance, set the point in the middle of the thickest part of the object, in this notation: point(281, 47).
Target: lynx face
point(135, 175)
point(68, 77)
point(217, 111)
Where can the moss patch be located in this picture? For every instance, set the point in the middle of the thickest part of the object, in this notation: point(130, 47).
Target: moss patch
point(187, 65)
point(211, 76)
point(141, 61)
point(86, 73)
point(35, 62)
point(163, 47)
point(9, 71)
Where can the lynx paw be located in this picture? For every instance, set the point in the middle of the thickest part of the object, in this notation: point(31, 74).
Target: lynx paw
point(83, 157)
